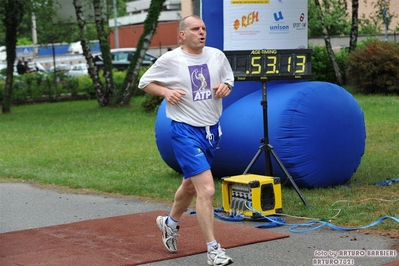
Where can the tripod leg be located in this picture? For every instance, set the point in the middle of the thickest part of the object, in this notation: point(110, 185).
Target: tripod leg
point(288, 175)
point(258, 153)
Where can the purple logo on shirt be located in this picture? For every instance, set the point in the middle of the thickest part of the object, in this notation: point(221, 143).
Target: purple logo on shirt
point(200, 82)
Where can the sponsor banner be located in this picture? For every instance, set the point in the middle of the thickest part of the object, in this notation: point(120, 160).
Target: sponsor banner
point(265, 24)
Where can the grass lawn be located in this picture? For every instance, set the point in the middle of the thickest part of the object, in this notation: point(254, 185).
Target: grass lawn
point(112, 150)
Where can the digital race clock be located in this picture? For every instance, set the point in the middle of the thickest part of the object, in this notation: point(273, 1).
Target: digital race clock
point(265, 65)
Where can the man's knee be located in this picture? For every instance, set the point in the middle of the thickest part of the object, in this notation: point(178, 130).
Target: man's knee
point(207, 191)
point(189, 188)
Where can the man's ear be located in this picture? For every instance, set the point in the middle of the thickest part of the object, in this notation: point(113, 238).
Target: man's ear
point(182, 34)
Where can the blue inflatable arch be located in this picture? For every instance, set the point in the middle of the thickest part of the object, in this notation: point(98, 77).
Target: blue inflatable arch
point(316, 128)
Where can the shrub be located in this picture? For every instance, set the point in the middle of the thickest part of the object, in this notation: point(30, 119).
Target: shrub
point(119, 77)
point(86, 86)
point(20, 91)
point(33, 87)
point(151, 103)
point(322, 68)
point(47, 86)
point(374, 68)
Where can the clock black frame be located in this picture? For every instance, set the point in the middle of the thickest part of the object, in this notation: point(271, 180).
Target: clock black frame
point(271, 64)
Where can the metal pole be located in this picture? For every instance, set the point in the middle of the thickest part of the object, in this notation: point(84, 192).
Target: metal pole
point(116, 26)
point(268, 162)
point(386, 19)
point(55, 67)
point(384, 13)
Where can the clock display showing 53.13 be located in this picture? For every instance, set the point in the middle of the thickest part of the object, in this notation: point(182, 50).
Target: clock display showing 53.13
point(265, 65)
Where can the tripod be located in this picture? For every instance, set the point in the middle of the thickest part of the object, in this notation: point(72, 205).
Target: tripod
point(268, 149)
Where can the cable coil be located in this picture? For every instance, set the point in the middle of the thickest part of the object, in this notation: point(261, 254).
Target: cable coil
point(275, 221)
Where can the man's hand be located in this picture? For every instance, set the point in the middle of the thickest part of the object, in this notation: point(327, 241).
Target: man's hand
point(221, 90)
point(174, 96)
point(171, 96)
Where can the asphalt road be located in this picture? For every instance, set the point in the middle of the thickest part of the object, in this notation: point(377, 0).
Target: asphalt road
point(24, 206)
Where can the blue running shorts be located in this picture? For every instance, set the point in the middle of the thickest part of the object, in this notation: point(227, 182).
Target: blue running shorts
point(194, 147)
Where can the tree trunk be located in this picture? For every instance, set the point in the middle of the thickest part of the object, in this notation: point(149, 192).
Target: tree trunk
point(355, 26)
point(330, 51)
point(150, 25)
point(12, 17)
point(103, 97)
point(105, 52)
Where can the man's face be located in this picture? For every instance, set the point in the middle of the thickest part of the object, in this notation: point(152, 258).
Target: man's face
point(194, 36)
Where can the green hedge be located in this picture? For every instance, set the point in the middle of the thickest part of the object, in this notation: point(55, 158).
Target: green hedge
point(42, 86)
point(374, 68)
point(322, 68)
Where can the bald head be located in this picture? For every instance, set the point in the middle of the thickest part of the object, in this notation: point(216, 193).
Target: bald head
point(185, 21)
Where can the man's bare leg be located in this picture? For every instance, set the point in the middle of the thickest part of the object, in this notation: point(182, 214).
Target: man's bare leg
point(183, 197)
point(205, 189)
point(202, 185)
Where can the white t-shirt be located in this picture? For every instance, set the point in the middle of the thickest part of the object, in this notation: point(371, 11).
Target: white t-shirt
point(195, 75)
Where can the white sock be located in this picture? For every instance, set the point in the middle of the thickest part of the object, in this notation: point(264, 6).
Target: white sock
point(212, 245)
point(172, 223)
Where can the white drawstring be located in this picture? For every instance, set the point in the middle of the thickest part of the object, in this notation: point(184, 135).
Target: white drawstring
point(210, 136)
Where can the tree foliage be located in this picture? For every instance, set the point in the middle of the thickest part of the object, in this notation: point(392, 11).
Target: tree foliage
point(326, 35)
point(339, 22)
point(52, 32)
point(374, 23)
point(109, 94)
point(335, 18)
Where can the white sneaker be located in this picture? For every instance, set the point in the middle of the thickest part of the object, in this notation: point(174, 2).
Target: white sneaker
point(218, 257)
point(168, 234)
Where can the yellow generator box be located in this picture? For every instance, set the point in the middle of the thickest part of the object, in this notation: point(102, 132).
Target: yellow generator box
point(252, 195)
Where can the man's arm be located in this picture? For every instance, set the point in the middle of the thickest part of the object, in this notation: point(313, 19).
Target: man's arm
point(155, 89)
point(171, 96)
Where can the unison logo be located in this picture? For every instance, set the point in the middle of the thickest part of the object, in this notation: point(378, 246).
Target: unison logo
point(278, 16)
point(279, 27)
